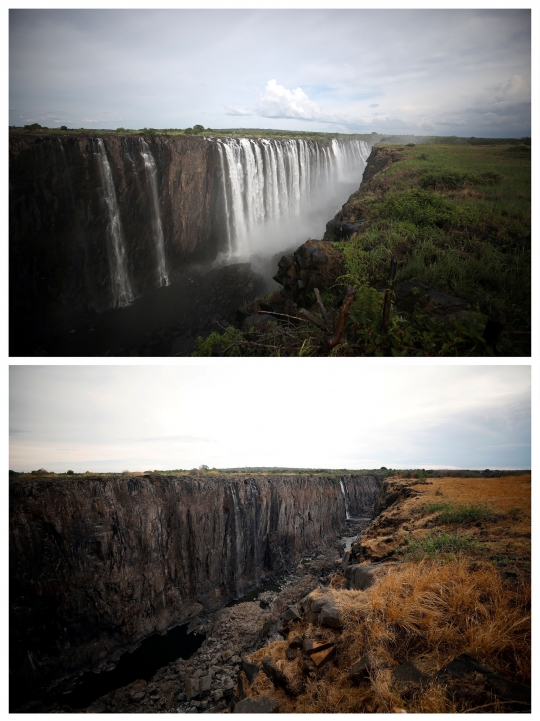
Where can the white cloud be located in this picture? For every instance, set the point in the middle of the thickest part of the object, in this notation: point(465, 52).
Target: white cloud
point(279, 102)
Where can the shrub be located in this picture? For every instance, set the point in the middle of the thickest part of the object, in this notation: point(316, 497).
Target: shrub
point(448, 180)
point(439, 545)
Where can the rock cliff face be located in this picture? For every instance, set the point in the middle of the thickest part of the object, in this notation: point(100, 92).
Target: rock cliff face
point(347, 221)
point(362, 495)
point(99, 564)
point(60, 264)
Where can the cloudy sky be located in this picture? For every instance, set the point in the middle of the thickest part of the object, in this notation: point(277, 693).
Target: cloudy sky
point(441, 72)
point(115, 418)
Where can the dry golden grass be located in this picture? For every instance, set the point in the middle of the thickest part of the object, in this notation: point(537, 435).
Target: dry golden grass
point(506, 534)
point(426, 611)
point(441, 610)
point(500, 493)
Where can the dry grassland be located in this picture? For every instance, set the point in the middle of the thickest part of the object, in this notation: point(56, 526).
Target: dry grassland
point(429, 611)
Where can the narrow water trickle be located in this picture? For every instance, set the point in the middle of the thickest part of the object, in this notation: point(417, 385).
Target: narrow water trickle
point(238, 537)
point(347, 505)
point(157, 227)
point(120, 283)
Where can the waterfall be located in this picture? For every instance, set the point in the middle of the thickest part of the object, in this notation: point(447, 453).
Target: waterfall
point(238, 535)
point(348, 516)
point(151, 172)
point(120, 284)
point(269, 182)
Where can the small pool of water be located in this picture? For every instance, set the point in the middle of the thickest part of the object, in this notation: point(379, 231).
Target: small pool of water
point(153, 653)
point(253, 595)
point(348, 541)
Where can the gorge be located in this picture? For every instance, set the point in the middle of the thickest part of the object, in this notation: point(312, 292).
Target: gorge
point(98, 564)
point(99, 222)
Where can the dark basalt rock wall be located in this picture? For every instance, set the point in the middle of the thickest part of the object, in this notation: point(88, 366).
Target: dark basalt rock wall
point(362, 495)
point(97, 565)
point(59, 265)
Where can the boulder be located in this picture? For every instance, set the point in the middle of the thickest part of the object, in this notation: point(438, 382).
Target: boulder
point(330, 616)
point(361, 669)
point(291, 614)
point(408, 674)
point(360, 578)
point(277, 677)
point(192, 688)
point(257, 704)
point(319, 658)
point(291, 653)
point(322, 609)
point(250, 669)
point(296, 642)
point(205, 684)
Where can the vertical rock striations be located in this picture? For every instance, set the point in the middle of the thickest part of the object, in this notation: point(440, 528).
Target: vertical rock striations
point(168, 202)
point(97, 565)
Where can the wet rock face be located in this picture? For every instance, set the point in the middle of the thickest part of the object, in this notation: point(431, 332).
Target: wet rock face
point(99, 564)
point(59, 263)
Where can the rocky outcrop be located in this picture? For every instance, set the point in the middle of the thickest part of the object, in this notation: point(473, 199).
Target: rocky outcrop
point(314, 264)
point(347, 221)
point(98, 564)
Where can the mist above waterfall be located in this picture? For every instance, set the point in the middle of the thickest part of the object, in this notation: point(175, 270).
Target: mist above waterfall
point(279, 193)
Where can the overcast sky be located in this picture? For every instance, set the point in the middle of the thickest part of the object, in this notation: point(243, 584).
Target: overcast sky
point(115, 418)
point(441, 72)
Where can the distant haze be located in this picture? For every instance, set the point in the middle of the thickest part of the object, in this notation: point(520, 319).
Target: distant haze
point(440, 72)
point(234, 413)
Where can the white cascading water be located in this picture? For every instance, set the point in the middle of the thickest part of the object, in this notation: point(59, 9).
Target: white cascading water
point(267, 183)
point(120, 283)
point(348, 516)
point(238, 535)
point(151, 172)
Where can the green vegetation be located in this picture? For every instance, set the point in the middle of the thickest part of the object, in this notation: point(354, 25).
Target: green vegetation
point(457, 217)
point(458, 220)
point(439, 545)
point(201, 130)
point(452, 513)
